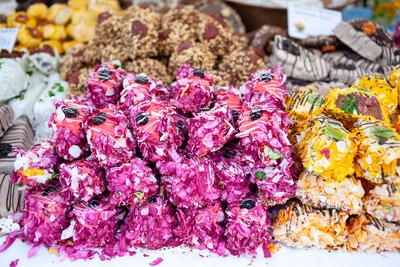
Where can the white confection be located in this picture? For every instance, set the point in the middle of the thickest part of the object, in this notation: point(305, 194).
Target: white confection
point(13, 79)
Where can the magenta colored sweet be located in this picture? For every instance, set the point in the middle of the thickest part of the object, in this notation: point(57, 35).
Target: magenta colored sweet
point(209, 130)
point(151, 225)
point(68, 122)
point(44, 216)
point(104, 85)
point(139, 88)
point(34, 166)
point(109, 138)
point(203, 228)
point(248, 227)
point(93, 225)
point(158, 129)
point(190, 183)
point(396, 35)
point(233, 177)
point(131, 183)
point(192, 90)
point(82, 179)
point(266, 88)
point(265, 134)
point(275, 183)
point(232, 98)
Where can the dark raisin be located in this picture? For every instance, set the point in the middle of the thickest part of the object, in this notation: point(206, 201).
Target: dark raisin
point(256, 114)
point(181, 126)
point(253, 188)
point(142, 118)
point(93, 203)
point(48, 190)
point(142, 79)
point(70, 113)
point(235, 115)
point(266, 77)
point(228, 154)
point(198, 73)
point(5, 149)
point(247, 204)
point(152, 199)
point(99, 119)
point(104, 74)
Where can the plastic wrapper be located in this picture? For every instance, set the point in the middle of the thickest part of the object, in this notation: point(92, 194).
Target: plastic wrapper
point(151, 225)
point(248, 227)
point(231, 97)
point(369, 233)
point(82, 179)
point(68, 122)
point(105, 83)
point(383, 202)
point(139, 88)
point(109, 138)
point(232, 176)
point(93, 224)
point(302, 226)
point(264, 133)
point(203, 228)
point(45, 215)
point(209, 130)
point(6, 118)
point(275, 182)
point(328, 149)
point(189, 183)
point(346, 195)
point(351, 104)
point(131, 182)
point(158, 129)
point(386, 93)
point(192, 90)
point(378, 151)
point(35, 166)
point(266, 87)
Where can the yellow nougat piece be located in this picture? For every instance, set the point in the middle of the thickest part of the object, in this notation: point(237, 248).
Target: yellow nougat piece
point(378, 151)
point(37, 11)
point(328, 149)
point(351, 104)
point(299, 225)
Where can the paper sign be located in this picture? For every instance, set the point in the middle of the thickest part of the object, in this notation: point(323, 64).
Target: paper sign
point(8, 36)
point(304, 21)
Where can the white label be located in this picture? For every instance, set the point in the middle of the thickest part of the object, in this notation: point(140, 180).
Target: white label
point(8, 36)
point(304, 21)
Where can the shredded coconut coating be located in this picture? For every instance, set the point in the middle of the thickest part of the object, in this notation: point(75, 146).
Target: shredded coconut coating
point(369, 233)
point(67, 123)
point(35, 166)
point(93, 224)
point(302, 226)
point(44, 216)
point(104, 84)
point(236, 67)
point(109, 139)
point(131, 183)
point(248, 227)
point(383, 202)
point(203, 228)
point(139, 88)
point(209, 130)
point(192, 90)
point(197, 55)
point(82, 179)
point(233, 176)
point(158, 129)
point(343, 195)
point(378, 152)
point(151, 225)
point(152, 67)
point(189, 183)
point(231, 97)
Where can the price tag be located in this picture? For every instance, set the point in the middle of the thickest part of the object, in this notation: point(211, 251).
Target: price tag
point(304, 21)
point(8, 36)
